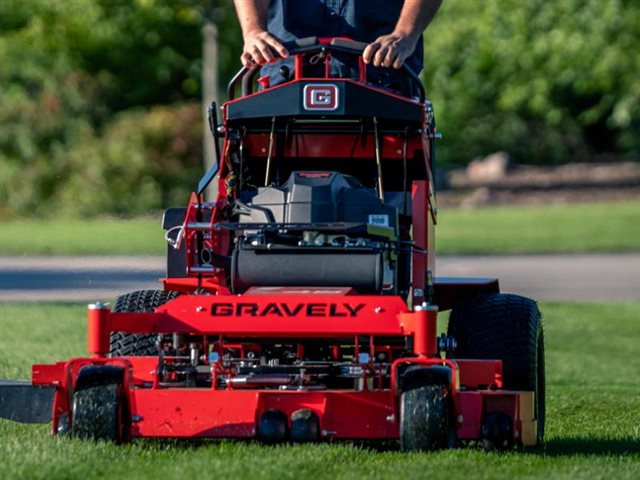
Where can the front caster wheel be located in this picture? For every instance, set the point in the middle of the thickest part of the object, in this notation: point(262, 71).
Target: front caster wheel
point(497, 432)
point(97, 413)
point(272, 427)
point(304, 426)
point(424, 418)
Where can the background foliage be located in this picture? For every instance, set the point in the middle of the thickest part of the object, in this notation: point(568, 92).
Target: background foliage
point(548, 82)
point(100, 102)
point(100, 112)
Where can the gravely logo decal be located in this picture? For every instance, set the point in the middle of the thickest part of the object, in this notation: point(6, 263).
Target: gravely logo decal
point(320, 97)
point(286, 310)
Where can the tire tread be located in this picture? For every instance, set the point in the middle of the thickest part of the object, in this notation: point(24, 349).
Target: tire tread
point(141, 301)
point(424, 418)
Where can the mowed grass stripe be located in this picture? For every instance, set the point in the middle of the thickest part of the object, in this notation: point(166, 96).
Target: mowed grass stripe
point(597, 227)
point(593, 416)
point(577, 228)
point(101, 236)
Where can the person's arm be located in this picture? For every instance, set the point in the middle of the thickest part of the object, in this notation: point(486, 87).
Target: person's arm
point(259, 44)
point(393, 49)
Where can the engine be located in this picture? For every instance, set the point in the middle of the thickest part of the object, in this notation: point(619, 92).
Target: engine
point(318, 229)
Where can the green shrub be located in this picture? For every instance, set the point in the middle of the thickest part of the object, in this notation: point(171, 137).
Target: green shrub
point(144, 161)
point(546, 81)
point(98, 102)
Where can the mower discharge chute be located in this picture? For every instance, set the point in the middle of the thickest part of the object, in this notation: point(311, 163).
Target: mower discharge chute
point(301, 304)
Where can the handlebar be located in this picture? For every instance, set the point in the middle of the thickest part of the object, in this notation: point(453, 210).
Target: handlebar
point(314, 44)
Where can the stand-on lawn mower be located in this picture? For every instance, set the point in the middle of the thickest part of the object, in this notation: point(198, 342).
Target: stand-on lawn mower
point(301, 304)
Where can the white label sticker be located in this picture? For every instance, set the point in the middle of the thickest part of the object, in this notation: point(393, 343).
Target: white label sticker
point(379, 219)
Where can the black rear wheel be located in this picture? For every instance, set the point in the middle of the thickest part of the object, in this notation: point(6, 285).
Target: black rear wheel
point(128, 344)
point(509, 328)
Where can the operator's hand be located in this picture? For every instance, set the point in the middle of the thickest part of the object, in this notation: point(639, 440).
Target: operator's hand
point(389, 50)
point(261, 47)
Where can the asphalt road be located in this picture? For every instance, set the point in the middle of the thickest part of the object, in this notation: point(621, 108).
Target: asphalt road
point(610, 277)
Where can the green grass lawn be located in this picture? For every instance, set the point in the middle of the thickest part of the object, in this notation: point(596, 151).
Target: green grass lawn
point(593, 416)
point(598, 227)
point(103, 236)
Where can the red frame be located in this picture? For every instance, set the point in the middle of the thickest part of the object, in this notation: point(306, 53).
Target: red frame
point(371, 412)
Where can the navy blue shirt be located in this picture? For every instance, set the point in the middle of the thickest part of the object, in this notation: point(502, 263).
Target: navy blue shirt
point(360, 20)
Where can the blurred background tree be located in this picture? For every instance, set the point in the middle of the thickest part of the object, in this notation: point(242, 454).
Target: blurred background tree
point(100, 99)
point(548, 82)
point(100, 102)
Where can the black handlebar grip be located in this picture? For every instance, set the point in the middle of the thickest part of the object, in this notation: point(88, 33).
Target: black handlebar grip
point(309, 44)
